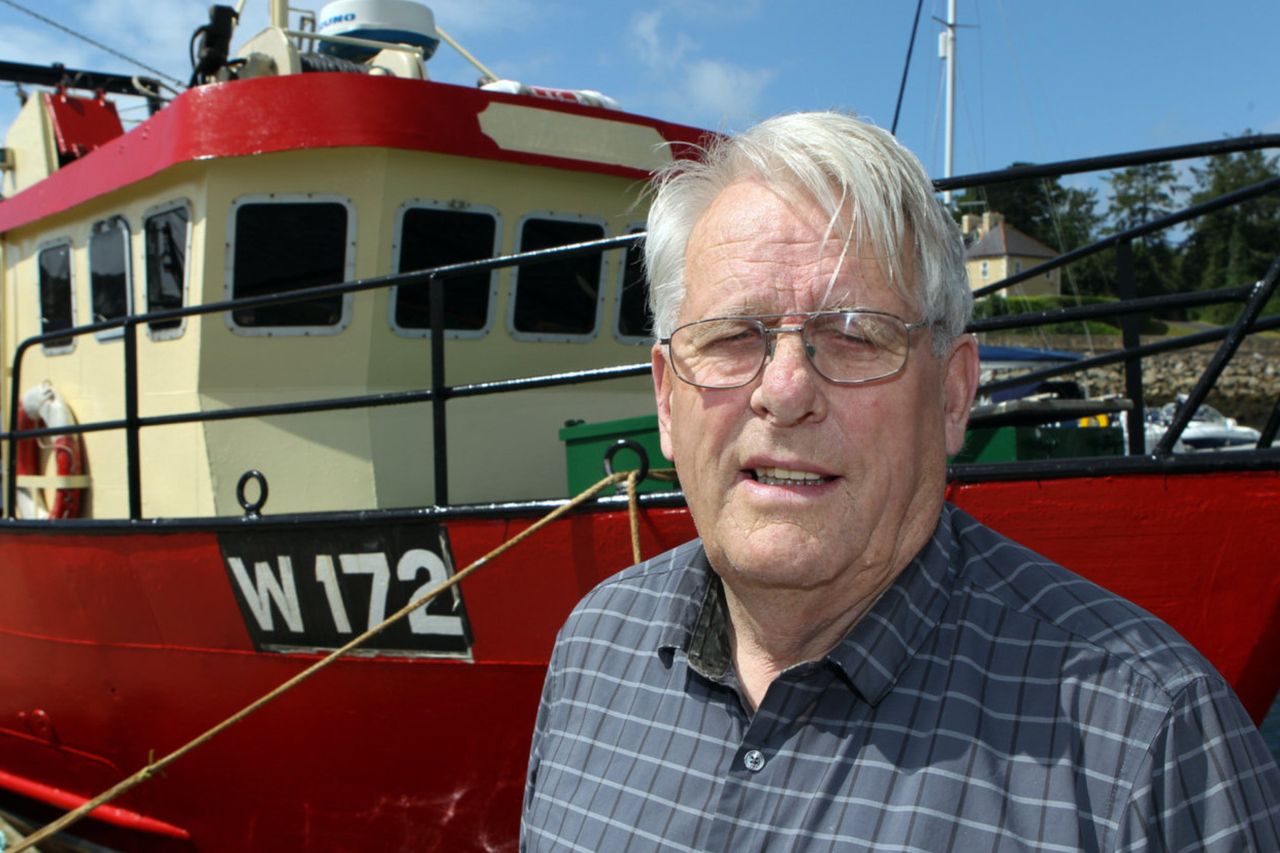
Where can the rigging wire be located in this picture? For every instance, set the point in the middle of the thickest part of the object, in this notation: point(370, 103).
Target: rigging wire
point(906, 66)
point(85, 38)
point(1068, 272)
point(937, 113)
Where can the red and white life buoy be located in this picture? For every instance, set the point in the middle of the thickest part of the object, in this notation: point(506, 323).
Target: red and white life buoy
point(43, 407)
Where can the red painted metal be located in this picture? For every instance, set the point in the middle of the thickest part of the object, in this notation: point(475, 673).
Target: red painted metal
point(308, 111)
point(105, 813)
point(81, 125)
point(131, 643)
point(1190, 549)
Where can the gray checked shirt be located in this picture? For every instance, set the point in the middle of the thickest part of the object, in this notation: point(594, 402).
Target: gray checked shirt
point(989, 701)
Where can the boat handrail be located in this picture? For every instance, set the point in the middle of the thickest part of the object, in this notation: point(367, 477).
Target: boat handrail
point(438, 393)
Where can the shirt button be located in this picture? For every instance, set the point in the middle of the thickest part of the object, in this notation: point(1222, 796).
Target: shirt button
point(754, 760)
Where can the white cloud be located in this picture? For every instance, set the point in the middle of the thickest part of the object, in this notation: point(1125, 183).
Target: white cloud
point(645, 39)
point(657, 51)
point(727, 91)
point(684, 85)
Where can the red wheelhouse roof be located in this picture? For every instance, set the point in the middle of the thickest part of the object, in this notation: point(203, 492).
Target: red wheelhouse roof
point(307, 111)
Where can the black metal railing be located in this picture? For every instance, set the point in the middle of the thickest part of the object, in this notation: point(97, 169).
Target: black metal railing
point(438, 393)
point(1252, 297)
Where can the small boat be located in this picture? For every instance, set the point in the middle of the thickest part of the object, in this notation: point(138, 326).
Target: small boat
point(320, 332)
point(1208, 429)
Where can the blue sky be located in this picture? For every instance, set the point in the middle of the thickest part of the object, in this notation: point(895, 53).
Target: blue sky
point(1038, 81)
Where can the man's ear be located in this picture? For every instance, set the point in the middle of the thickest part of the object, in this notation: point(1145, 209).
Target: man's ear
point(663, 379)
point(960, 384)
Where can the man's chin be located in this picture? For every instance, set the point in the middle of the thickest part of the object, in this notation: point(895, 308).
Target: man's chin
point(778, 556)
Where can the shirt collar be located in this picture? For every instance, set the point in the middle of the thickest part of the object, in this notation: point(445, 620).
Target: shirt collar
point(687, 596)
point(872, 656)
point(885, 640)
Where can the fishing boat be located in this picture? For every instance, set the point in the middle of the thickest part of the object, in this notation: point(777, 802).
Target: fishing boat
point(286, 356)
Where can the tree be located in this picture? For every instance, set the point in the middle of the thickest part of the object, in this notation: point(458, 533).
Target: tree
point(1233, 246)
point(1142, 194)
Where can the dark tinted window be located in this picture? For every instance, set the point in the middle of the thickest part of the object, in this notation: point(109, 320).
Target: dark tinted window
point(633, 303)
point(558, 297)
point(166, 238)
point(283, 246)
point(55, 292)
point(109, 271)
point(432, 238)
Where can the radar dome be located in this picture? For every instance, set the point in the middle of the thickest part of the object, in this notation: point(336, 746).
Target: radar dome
point(386, 21)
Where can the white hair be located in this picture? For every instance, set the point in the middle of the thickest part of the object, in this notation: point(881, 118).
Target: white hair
point(872, 189)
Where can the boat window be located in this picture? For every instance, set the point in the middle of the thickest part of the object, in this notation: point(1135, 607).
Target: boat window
point(635, 325)
point(167, 235)
point(109, 273)
point(560, 299)
point(288, 244)
point(431, 235)
point(56, 308)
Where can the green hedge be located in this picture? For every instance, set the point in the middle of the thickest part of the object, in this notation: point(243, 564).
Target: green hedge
point(1004, 306)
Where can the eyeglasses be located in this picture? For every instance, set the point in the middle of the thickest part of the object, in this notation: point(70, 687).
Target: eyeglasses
point(845, 347)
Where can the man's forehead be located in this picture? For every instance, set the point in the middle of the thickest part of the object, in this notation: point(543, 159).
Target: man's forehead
point(757, 248)
point(748, 216)
point(833, 283)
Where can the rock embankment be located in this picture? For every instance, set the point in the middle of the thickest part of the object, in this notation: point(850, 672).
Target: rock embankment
point(1248, 389)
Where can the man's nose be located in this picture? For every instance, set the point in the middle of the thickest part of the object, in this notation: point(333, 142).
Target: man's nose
point(789, 390)
point(806, 348)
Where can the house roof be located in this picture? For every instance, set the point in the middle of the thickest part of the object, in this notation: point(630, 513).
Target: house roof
point(1004, 240)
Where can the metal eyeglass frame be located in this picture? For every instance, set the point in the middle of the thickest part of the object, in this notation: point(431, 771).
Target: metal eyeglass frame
point(770, 336)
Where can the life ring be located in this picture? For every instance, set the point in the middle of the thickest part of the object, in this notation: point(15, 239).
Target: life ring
point(43, 407)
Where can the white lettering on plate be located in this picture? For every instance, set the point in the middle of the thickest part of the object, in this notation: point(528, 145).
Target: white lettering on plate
point(266, 589)
point(332, 593)
point(375, 566)
point(414, 562)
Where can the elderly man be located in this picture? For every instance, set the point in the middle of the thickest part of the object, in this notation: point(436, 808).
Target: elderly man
point(842, 661)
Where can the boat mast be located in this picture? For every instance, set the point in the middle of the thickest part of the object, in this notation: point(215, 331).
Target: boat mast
point(947, 50)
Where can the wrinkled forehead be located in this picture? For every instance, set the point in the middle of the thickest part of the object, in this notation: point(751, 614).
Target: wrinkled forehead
point(769, 240)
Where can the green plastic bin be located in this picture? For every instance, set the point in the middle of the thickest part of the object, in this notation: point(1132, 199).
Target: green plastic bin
point(1007, 443)
point(585, 445)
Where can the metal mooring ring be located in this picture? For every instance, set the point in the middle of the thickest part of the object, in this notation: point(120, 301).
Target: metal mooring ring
point(252, 509)
point(635, 448)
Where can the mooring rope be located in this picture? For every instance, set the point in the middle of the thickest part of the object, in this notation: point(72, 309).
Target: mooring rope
point(155, 767)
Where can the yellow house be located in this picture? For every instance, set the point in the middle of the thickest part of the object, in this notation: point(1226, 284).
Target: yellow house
point(996, 250)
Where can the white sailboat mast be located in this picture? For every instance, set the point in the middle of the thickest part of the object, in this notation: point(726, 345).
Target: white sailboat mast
point(947, 50)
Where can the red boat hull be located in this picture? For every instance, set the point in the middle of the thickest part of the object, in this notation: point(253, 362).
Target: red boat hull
point(120, 645)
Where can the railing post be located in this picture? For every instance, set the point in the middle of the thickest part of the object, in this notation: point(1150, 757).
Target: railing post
point(133, 461)
point(11, 463)
point(1271, 428)
point(439, 438)
point(1261, 294)
point(1130, 326)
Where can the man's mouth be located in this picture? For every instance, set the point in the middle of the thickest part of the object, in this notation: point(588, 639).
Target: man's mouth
point(787, 477)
